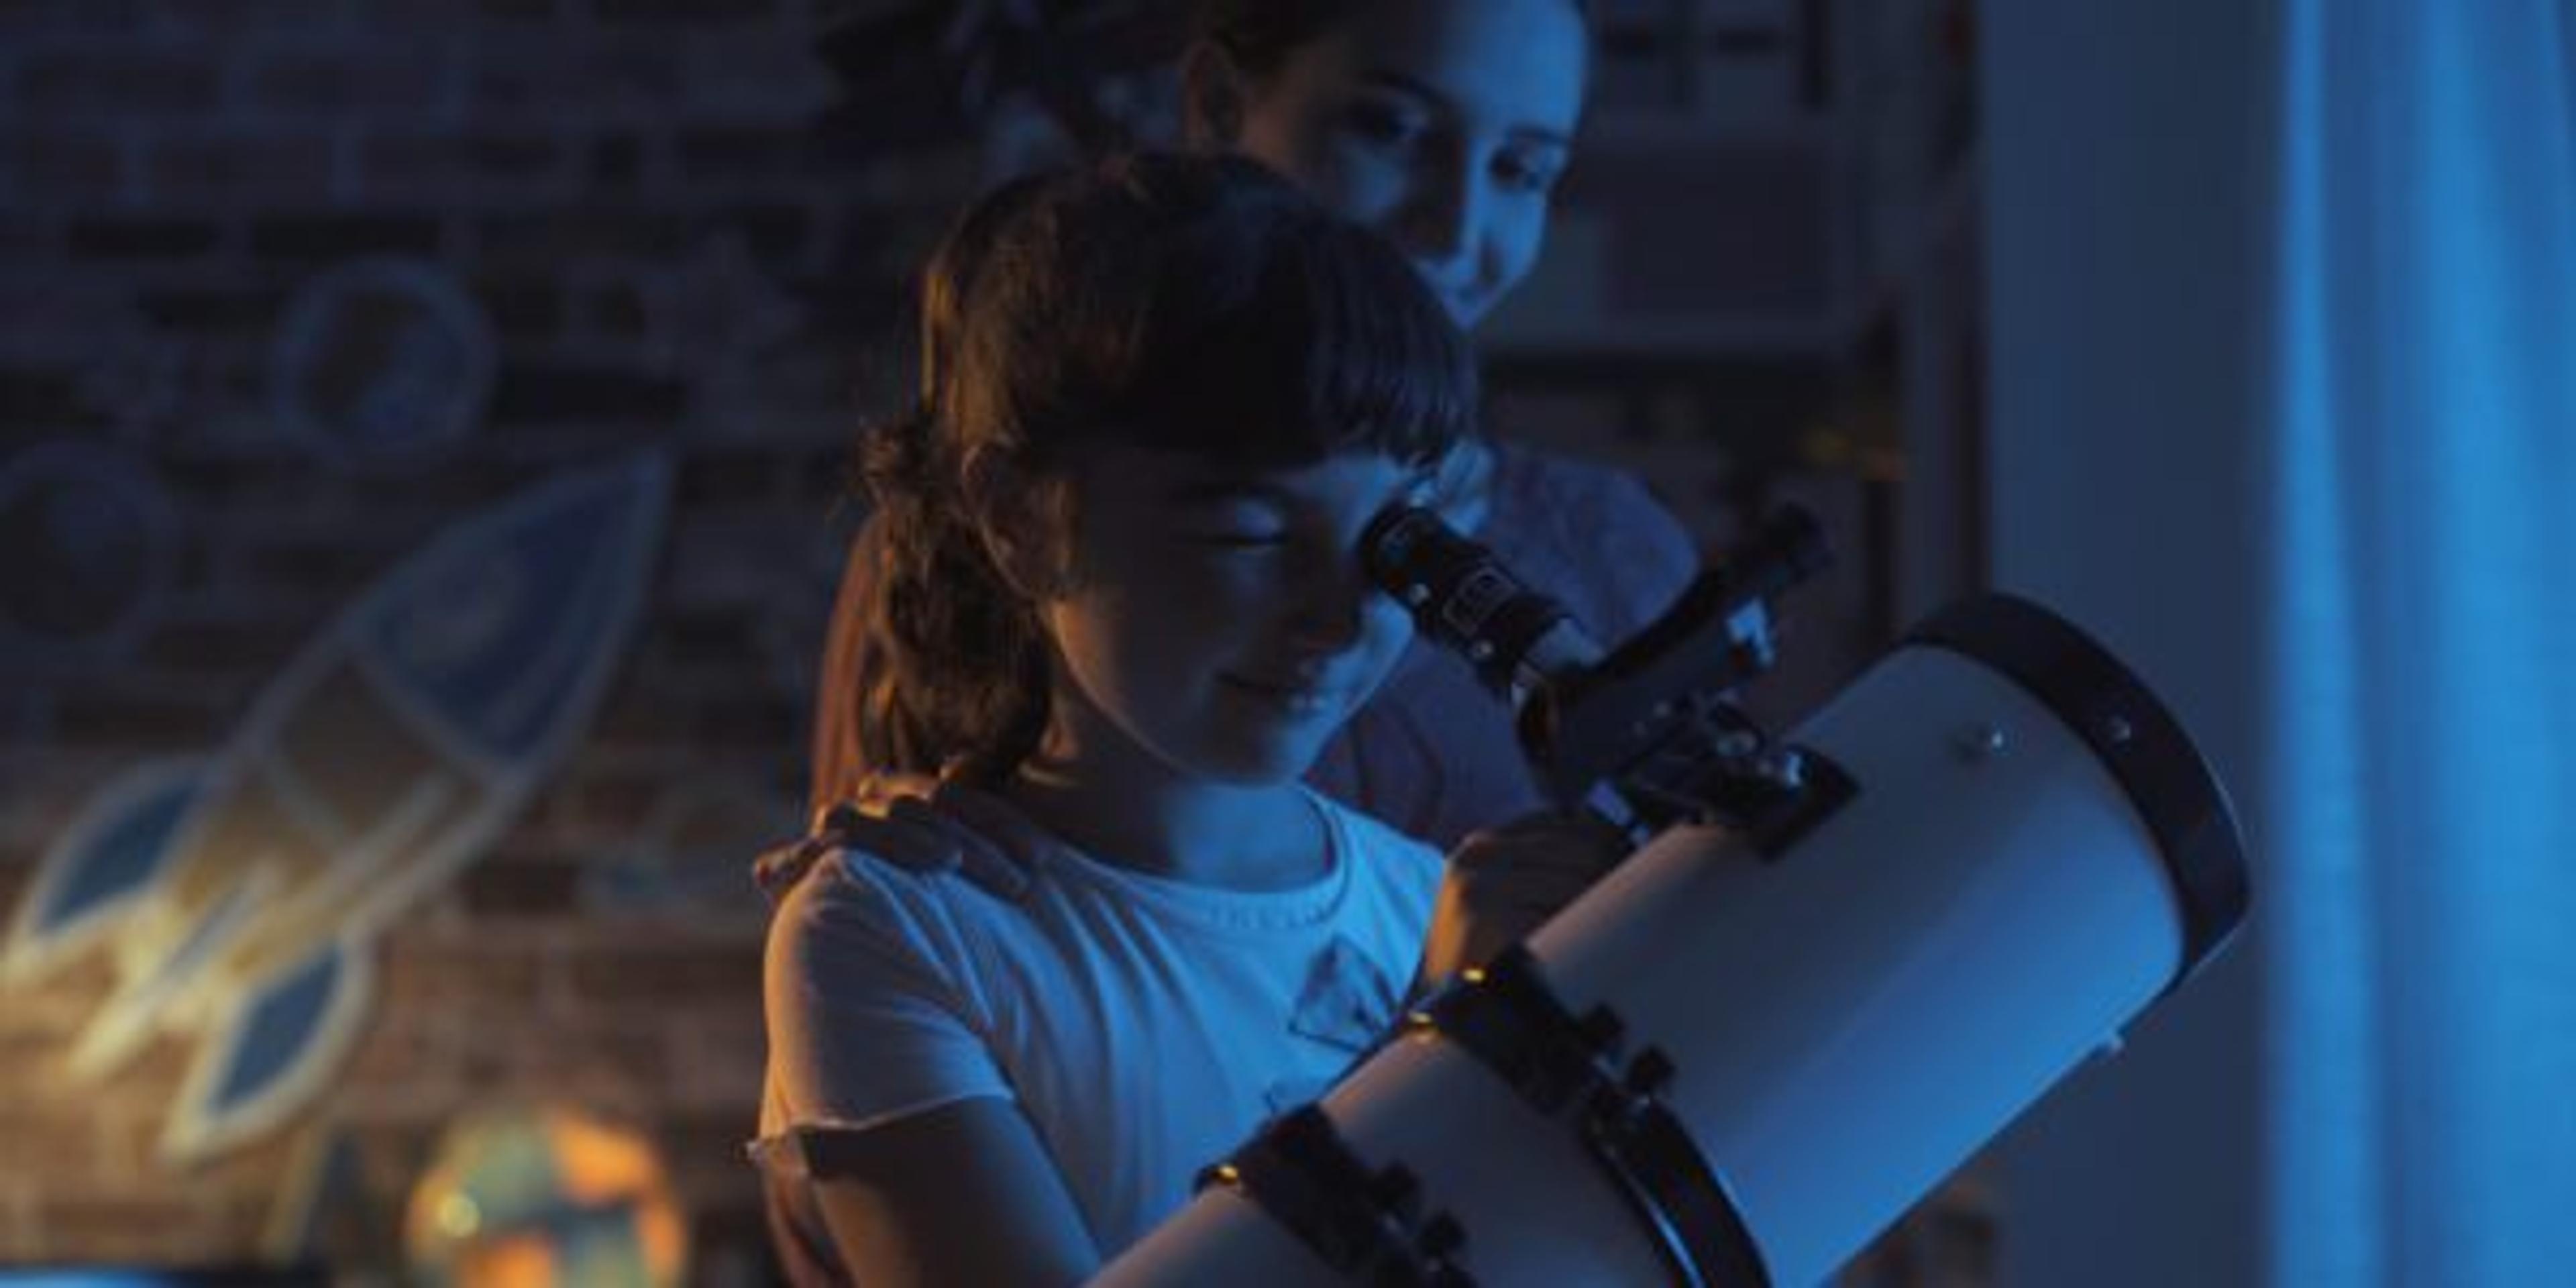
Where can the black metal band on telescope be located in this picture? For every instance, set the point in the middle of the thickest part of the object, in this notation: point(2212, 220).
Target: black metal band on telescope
point(1507, 1017)
point(1461, 597)
point(1366, 1225)
point(2133, 736)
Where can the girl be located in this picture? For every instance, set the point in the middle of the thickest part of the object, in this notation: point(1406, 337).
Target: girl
point(1443, 125)
point(1117, 588)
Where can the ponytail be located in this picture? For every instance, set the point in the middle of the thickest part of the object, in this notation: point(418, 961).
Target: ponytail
point(949, 666)
point(931, 664)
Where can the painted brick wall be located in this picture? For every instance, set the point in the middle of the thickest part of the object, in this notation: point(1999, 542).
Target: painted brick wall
point(626, 191)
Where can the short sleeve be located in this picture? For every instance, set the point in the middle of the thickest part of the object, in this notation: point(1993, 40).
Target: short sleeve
point(869, 1018)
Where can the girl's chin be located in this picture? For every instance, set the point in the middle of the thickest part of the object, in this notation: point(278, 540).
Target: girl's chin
point(1260, 762)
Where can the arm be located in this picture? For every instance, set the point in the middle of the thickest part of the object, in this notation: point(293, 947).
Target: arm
point(885, 1106)
point(960, 1194)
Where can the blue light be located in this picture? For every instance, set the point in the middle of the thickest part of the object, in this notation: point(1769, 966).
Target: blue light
point(2423, 777)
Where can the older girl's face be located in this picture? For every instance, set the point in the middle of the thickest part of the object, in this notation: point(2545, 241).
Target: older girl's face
point(1442, 124)
point(1218, 625)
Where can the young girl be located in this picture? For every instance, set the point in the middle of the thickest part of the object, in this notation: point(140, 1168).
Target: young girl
point(1442, 125)
point(1118, 588)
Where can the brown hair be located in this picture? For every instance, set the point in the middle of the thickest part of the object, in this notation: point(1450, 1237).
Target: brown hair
point(1259, 35)
point(1186, 303)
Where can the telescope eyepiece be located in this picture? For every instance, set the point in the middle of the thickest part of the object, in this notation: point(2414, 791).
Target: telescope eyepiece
point(1462, 597)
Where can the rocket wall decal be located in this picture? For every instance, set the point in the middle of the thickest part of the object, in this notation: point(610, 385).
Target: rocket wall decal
point(239, 897)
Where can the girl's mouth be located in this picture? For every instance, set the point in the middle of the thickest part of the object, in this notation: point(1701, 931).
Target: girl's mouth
point(1297, 698)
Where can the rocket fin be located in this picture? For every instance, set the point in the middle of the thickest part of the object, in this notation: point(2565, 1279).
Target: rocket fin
point(99, 866)
point(275, 1050)
point(141, 1007)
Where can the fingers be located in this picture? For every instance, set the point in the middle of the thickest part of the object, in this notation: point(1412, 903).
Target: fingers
point(1003, 844)
point(1565, 827)
point(972, 851)
point(843, 828)
point(1578, 845)
point(908, 836)
point(882, 788)
point(920, 824)
point(777, 870)
point(904, 833)
point(936, 824)
point(1505, 882)
point(1522, 900)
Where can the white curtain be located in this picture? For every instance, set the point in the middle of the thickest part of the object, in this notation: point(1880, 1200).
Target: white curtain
point(2420, 917)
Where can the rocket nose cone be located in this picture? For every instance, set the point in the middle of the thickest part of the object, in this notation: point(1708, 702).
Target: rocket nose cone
point(503, 627)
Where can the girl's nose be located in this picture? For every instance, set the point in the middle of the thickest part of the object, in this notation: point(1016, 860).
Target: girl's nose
point(1329, 600)
point(1441, 217)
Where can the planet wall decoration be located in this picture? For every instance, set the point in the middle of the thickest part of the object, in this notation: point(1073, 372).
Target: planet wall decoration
point(92, 545)
point(380, 362)
point(541, 1195)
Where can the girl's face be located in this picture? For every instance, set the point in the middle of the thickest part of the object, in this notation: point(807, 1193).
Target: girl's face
point(1218, 625)
point(1441, 124)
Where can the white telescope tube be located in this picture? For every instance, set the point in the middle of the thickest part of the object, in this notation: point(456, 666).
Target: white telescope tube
point(2036, 852)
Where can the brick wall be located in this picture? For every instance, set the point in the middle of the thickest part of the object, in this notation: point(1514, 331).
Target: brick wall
point(627, 192)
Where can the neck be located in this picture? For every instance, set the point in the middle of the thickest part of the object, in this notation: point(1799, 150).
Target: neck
point(1263, 837)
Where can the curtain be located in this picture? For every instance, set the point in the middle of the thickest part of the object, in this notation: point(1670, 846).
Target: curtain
point(2419, 910)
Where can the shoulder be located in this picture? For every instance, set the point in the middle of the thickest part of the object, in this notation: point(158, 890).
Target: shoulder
point(953, 856)
point(844, 885)
point(1529, 472)
point(1597, 527)
point(875, 1000)
point(854, 916)
point(1579, 497)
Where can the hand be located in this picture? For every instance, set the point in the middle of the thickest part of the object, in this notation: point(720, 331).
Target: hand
point(919, 824)
point(1505, 882)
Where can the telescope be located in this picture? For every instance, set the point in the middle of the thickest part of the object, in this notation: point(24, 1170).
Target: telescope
point(1836, 964)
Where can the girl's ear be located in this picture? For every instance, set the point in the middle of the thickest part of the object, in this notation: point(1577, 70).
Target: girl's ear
point(1214, 95)
point(1017, 517)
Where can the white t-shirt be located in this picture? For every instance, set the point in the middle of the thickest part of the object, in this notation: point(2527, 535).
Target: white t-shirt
point(1145, 1026)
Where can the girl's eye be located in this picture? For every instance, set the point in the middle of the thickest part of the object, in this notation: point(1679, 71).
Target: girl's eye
point(1526, 174)
point(1241, 540)
point(1385, 123)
